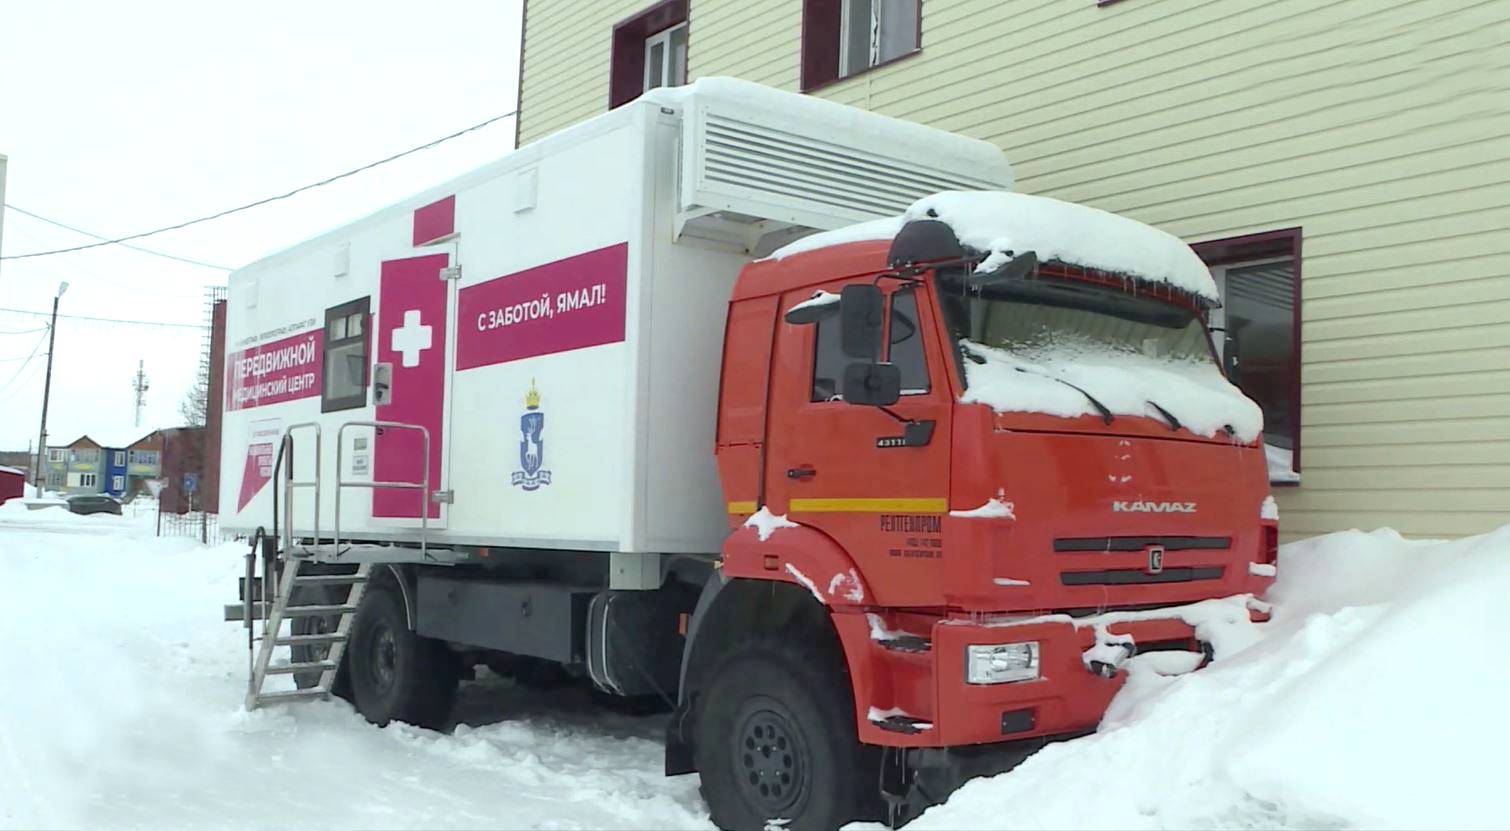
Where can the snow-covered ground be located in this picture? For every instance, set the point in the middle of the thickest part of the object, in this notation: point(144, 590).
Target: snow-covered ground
point(1375, 698)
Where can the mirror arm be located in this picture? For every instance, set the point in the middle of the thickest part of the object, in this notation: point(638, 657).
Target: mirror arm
point(888, 411)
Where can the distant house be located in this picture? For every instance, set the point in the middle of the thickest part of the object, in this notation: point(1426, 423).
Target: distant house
point(77, 467)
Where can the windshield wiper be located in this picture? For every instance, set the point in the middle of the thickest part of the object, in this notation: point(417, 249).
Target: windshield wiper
point(1106, 414)
point(1174, 423)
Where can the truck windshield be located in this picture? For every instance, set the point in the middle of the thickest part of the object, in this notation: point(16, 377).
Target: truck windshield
point(1047, 321)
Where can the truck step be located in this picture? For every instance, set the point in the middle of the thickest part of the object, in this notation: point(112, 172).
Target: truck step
point(292, 695)
point(309, 666)
point(901, 724)
point(329, 579)
point(907, 643)
point(309, 640)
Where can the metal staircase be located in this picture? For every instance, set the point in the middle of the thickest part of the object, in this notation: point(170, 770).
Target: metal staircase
point(327, 646)
point(271, 595)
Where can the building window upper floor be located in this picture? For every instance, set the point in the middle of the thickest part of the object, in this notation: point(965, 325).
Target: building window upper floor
point(649, 50)
point(143, 458)
point(841, 38)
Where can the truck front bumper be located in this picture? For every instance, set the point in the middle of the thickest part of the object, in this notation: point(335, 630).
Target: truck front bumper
point(1076, 678)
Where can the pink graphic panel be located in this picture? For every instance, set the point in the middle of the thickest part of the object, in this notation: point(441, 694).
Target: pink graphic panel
point(411, 335)
point(568, 304)
point(434, 221)
point(260, 450)
point(270, 373)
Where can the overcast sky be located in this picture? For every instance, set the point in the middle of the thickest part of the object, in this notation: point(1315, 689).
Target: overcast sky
point(123, 117)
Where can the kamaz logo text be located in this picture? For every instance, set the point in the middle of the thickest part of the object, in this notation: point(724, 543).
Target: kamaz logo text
point(1154, 507)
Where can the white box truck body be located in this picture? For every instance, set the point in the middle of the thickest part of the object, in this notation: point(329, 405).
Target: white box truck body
point(553, 320)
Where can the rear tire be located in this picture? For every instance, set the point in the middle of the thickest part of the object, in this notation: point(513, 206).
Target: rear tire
point(395, 674)
point(775, 739)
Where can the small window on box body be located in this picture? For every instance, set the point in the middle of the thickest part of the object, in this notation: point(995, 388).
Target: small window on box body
point(344, 384)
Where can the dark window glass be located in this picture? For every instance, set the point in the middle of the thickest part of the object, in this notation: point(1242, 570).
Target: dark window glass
point(907, 343)
point(829, 361)
point(1260, 343)
point(344, 384)
point(906, 352)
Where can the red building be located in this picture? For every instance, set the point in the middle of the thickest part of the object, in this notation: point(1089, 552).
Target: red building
point(12, 483)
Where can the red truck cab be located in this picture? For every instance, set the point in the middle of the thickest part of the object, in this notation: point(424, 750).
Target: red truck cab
point(988, 537)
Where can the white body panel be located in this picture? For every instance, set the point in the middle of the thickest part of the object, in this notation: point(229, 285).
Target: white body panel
point(616, 454)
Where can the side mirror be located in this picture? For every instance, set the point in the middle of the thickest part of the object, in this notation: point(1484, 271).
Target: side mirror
point(1016, 268)
point(873, 384)
point(861, 315)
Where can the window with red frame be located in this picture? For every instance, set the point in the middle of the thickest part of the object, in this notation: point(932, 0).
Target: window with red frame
point(649, 50)
point(1257, 333)
point(841, 38)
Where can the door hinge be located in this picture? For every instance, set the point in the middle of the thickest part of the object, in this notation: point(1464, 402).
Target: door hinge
point(443, 497)
point(452, 272)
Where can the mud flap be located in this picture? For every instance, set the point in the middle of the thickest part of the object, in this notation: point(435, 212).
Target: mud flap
point(914, 779)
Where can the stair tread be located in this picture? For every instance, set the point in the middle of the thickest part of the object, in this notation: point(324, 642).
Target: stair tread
point(328, 579)
point(292, 695)
point(306, 640)
point(313, 611)
point(305, 666)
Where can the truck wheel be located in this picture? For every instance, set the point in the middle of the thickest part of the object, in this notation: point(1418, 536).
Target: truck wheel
point(775, 739)
point(318, 596)
point(396, 674)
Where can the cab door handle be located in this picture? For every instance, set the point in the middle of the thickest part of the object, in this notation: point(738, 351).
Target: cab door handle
point(801, 472)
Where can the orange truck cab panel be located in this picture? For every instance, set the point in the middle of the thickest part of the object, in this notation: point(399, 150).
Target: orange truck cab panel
point(1002, 527)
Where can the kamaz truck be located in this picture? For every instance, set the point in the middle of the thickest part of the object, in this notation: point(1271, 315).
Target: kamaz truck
point(792, 416)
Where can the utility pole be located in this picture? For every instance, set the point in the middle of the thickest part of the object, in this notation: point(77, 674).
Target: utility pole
point(52, 337)
point(139, 383)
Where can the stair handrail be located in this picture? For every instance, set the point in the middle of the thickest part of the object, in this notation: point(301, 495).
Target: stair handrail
point(423, 485)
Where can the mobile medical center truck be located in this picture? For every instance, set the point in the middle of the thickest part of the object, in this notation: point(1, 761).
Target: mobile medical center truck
point(875, 506)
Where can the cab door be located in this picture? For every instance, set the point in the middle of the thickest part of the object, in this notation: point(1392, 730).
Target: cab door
point(842, 468)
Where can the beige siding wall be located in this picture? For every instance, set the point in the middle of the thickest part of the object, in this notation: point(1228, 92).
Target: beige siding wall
point(1380, 127)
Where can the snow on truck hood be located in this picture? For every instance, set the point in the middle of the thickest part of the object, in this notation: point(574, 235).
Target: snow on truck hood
point(1038, 381)
point(997, 222)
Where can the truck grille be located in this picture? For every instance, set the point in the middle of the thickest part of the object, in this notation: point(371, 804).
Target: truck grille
point(1130, 576)
point(1092, 545)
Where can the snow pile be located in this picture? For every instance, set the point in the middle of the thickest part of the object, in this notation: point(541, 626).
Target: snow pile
point(123, 709)
point(1039, 380)
point(1003, 224)
point(1375, 698)
point(875, 229)
point(998, 223)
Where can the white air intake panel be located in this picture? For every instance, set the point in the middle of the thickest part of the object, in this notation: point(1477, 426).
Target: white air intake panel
point(757, 160)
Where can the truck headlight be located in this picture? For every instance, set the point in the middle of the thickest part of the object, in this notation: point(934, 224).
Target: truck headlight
point(1001, 663)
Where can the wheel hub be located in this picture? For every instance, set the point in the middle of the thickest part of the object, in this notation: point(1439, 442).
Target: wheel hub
point(384, 661)
point(768, 761)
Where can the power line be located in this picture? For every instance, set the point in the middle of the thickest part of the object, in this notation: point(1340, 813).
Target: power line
point(260, 202)
point(106, 319)
point(22, 331)
point(22, 367)
point(41, 218)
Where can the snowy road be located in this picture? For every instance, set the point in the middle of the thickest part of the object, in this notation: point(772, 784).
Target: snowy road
point(120, 705)
point(1375, 699)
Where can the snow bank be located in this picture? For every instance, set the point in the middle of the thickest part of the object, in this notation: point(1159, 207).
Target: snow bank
point(998, 222)
point(1194, 391)
point(123, 709)
point(1374, 699)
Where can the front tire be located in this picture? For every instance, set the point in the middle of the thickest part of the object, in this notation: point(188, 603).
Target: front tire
point(775, 739)
point(395, 674)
